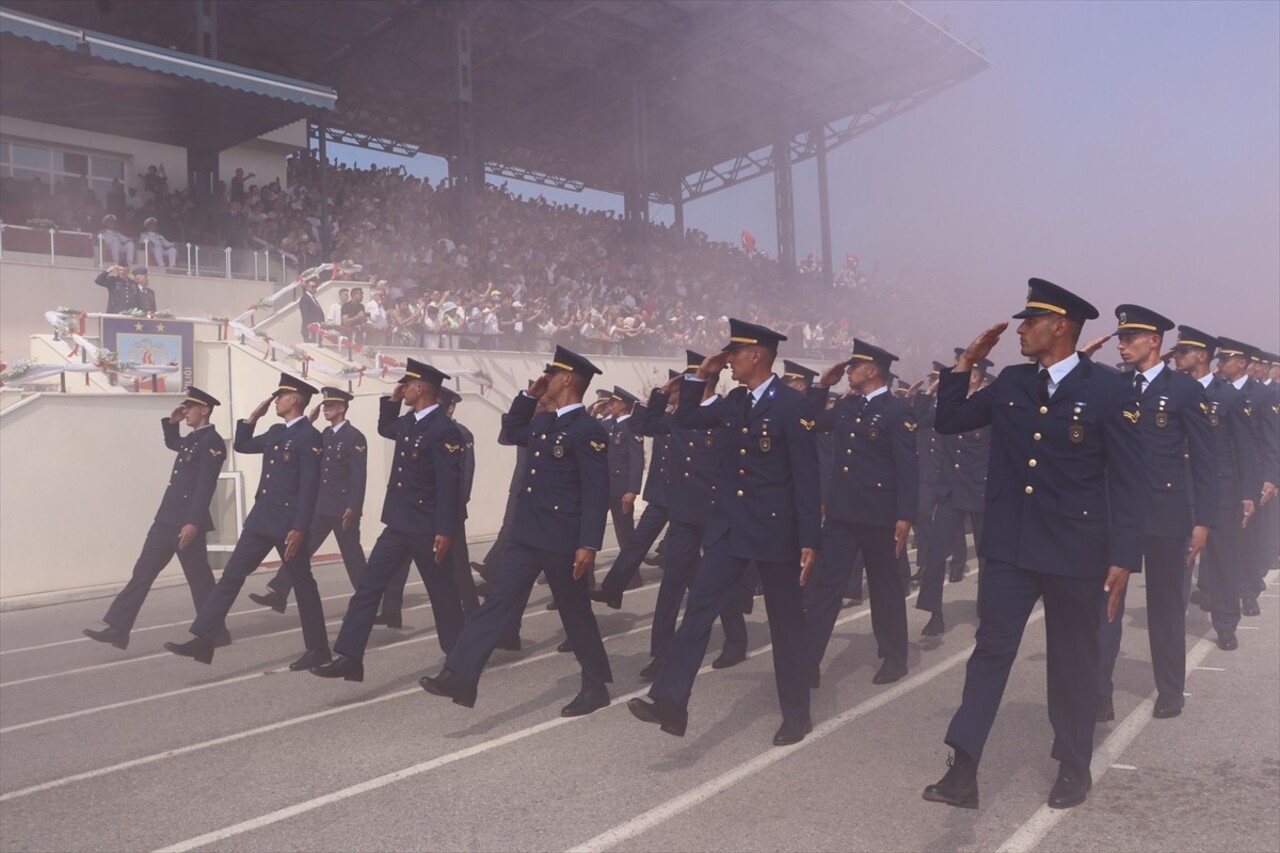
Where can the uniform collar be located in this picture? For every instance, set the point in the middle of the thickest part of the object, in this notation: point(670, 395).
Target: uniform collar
point(883, 389)
point(618, 421)
point(1059, 370)
point(759, 391)
point(564, 410)
point(1153, 372)
point(289, 424)
point(428, 410)
point(339, 425)
point(1206, 380)
point(1240, 383)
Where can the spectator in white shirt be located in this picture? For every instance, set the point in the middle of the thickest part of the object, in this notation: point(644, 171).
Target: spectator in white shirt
point(113, 241)
point(377, 314)
point(163, 251)
point(334, 317)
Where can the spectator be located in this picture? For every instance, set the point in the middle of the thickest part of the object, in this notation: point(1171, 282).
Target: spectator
point(163, 251)
point(376, 318)
point(309, 309)
point(120, 288)
point(354, 317)
point(113, 241)
point(237, 185)
point(334, 317)
point(144, 298)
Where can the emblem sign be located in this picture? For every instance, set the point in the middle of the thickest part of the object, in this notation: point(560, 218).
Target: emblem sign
point(558, 451)
point(1075, 432)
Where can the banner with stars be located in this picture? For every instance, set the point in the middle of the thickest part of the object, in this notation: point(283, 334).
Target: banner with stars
point(160, 341)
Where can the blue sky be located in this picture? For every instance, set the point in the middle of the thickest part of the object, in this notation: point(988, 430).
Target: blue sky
point(1127, 150)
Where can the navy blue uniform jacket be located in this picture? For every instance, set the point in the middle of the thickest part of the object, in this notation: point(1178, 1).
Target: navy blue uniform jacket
point(1175, 431)
point(344, 469)
point(962, 475)
point(693, 465)
point(1066, 490)
point(201, 455)
point(1239, 474)
point(564, 490)
point(626, 457)
point(426, 471)
point(876, 476)
point(765, 496)
point(657, 482)
point(290, 481)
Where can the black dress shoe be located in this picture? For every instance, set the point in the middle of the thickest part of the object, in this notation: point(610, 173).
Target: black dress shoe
point(636, 581)
point(728, 658)
point(389, 621)
point(310, 658)
point(197, 647)
point(959, 787)
point(612, 599)
point(652, 561)
point(1072, 787)
point(650, 672)
point(1249, 607)
point(274, 600)
point(1106, 710)
point(670, 719)
point(889, 672)
point(917, 576)
point(564, 647)
point(935, 628)
point(1227, 641)
point(551, 605)
point(509, 644)
point(792, 731)
point(588, 699)
point(1200, 598)
point(1167, 707)
point(109, 634)
point(348, 669)
point(449, 683)
point(223, 639)
point(956, 577)
point(853, 601)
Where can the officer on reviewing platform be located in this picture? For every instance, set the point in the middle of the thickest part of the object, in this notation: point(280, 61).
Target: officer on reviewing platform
point(1182, 505)
point(180, 524)
point(280, 518)
point(420, 512)
point(1066, 496)
point(343, 471)
point(872, 504)
point(765, 509)
point(559, 525)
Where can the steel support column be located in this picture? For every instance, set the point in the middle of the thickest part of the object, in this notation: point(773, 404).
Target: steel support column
point(207, 28)
point(824, 209)
point(466, 168)
point(636, 199)
point(323, 154)
point(784, 205)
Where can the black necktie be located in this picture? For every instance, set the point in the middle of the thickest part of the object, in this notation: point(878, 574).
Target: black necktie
point(1043, 385)
point(1139, 381)
point(749, 400)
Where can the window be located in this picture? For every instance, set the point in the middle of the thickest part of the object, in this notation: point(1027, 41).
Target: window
point(50, 166)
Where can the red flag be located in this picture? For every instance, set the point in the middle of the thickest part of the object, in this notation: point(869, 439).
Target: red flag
point(748, 241)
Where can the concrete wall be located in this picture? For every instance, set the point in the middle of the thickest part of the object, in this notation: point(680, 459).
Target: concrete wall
point(139, 153)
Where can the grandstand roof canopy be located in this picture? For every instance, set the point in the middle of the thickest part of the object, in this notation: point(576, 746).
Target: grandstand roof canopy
point(553, 80)
point(74, 77)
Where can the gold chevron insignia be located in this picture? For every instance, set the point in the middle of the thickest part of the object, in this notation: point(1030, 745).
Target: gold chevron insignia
point(912, 426)
point(807, 424)
point(598, 445)
point(452, 448)
point(1132, 416)
point(215, 451)
point(360, 448)
point(1204, 407)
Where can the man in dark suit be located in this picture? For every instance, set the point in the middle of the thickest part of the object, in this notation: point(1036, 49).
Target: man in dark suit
point(1066, 495)
point(558, 530)
point(766, 509)
point(280, 518)
point(626, 464)
point(961, 492)
point(309, 308)
point(182, 521)
point(120, 288)
point(872, 505)
point(1239, 482)
point(420, 512)
point(144, 298)
point(343, 472)
point(1182, 505)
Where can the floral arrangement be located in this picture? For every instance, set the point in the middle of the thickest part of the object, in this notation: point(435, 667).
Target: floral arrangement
point(17, 369)
point(42, 223)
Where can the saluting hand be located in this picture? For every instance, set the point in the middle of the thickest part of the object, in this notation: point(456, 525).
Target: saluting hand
point(176, 416)
point(292, 542)
point(1117, 580)
point(260, 411)
point(981, 347)
point(442, 544)
point(832, 374)
point(901, 530)
point(397, 393)
point(315, 412)
point(1096, 344)
point(807, 556)
point(186, 536)
point(672, 384)
point(712, 365)
point(539, 386)
point(584, 560)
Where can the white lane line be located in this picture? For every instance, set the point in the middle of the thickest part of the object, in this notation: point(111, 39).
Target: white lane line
point(696, 796)
point(1031, 833)
point(1210, 668)
point(426, 766)
point(1123, 767)
point(1247, 628)
point(265, 729)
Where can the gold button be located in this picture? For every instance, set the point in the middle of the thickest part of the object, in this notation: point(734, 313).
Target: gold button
point(744, 430)
point(1086, 512)
point(543, 436)
point(271, 461)
point(848, 451)
point(686, 474)
point(857, 420)
point(1044, 410)
point(1168, 485)
point(1036, 436)
point(845, 469)
point(399, 485)
point(742, 451)
point(556, 507)
point(958, 464)
point(739, 492)
point(741, 472)
point(690, 458)
point(537, 453)
point(1028, 490)
point(1031, 462)
point(533, 471)
point(528, 488)
point(268, 476)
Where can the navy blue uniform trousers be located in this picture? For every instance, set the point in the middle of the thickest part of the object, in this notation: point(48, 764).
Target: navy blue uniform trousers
point(680, 561)
point(627, 563)
point(157, 550)
point(624, 524)
point(715, 580)
point(348, 545)
point(508, 596)
point(390, 554)
point(1072, 610)
point(830, 577)
point(1221, 567)
point(458, 562)
point(251, 549)
point(1167, 577)
point(948, 522)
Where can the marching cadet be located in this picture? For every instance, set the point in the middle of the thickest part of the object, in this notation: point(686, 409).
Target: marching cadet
point(420, 512)
point(280, 518)
point(695, 463)
point(1266, 530)
point(625, 572)
point(961, 492)
point(343, 471)
point(764, 509)
point(1182, 505)
point(873, 503)
point(180, 524)
point(1064, 523)
point(626, 464)
point(1234, 360)
point(1239, 482)
point(559, 527)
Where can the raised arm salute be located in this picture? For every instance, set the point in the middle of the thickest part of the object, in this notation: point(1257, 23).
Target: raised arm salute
point(1064, 523)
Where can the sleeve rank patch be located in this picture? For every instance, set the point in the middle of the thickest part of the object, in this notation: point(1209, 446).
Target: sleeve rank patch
point(807, 424)
point(598, 445)
point(911, 426)
point(213, 451)
point(452, 448)
point(1131, 417)
point(360, 448)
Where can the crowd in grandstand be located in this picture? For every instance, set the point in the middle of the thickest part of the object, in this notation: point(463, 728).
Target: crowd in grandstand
point(524, 269)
